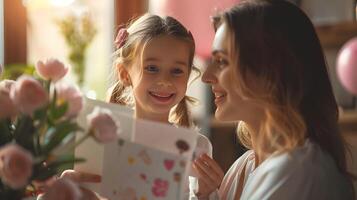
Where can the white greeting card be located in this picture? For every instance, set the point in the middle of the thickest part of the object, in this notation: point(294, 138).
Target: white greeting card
point(93, 151)
point(144, 173)
point(168, 148)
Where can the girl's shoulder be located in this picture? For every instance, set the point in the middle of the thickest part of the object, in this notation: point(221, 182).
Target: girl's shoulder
point(203, 140)
point(204, 144)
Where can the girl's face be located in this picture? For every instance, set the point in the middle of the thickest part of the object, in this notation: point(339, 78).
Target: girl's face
point(231, 106)
point(159, 79)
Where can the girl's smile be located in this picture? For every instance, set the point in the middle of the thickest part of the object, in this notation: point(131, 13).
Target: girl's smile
point(162, 97)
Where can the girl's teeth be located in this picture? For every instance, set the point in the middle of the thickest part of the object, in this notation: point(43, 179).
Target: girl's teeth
point(160, 95)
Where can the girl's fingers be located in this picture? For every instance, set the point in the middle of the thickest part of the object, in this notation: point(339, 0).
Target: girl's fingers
point(81, 176)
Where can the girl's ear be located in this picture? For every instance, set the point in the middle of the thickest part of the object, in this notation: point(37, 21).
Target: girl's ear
point(123, 74)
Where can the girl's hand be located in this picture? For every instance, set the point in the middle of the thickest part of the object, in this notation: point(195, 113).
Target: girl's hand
point(82, 177)
point(210, 175)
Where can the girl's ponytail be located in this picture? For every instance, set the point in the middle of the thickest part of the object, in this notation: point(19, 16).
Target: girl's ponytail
point(181, 115)
point(118, 94)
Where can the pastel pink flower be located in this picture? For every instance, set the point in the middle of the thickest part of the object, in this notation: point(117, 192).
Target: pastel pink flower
point(160, 187)
point(15, 165)
point(8, 109)
point(62, 189)
point(102, 124)
point(28, 94)
point(51, 69)
point(73, 96)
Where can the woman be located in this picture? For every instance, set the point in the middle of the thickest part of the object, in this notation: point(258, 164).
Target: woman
point(269, 74)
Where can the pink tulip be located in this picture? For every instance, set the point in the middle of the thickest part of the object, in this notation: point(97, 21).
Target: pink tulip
point(63, 189)
point(8, 109)
point(73, 96)
point(6, 84)
point(102, 124)
point(28, 94)
point(51, 69)
point(15, 166)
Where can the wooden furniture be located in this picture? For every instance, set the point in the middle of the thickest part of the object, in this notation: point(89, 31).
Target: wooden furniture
point(127, 10)
point(335, 35)
point(15, 23)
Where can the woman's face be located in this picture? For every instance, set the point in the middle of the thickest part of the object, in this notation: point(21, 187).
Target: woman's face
point(231, 106)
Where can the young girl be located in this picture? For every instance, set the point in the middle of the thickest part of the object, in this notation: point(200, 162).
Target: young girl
point(269, 74)
point(154, 59)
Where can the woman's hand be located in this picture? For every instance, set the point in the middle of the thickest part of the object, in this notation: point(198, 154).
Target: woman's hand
point(210, 175)
point(83, 177)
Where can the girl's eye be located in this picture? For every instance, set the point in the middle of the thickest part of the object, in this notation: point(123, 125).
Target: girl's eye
point(220, 62)
point(177, 71)
point(151, 69)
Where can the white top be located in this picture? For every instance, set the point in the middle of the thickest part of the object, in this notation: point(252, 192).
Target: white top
point(304, 173)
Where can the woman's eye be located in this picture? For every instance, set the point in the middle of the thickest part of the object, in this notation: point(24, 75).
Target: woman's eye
point(151, 68)
point(220, 62)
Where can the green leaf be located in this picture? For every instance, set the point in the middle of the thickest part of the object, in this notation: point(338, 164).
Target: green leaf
point(24, 133)
point(64, 159)
point(57, 134)
point(40, 114)
point(5, 131)
point(59, 111)
point(13, 71)
point(42, 172)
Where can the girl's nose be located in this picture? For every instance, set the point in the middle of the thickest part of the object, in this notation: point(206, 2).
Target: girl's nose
point(164, 83)
point(165, 80)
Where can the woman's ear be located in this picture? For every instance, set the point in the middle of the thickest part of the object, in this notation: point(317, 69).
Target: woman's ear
point(123, 74)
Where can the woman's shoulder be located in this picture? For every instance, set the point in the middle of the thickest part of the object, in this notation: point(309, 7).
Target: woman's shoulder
point(247, 156)
point(309, 158)
point(307, 171)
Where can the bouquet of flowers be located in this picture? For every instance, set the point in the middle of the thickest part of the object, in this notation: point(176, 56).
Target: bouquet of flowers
point(37, 122)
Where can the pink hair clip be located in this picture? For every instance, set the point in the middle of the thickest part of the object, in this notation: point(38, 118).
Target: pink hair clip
point(121, 38)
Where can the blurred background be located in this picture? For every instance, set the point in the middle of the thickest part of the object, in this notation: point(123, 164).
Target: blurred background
point(81, 32)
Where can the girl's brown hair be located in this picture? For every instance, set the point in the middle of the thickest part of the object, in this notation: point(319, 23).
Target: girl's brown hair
point(139, 33)
point(275, 42)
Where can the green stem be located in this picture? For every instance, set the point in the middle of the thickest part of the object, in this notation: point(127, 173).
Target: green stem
point(81, 140)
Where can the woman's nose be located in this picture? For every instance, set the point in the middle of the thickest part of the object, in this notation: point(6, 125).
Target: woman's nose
point(208, 75)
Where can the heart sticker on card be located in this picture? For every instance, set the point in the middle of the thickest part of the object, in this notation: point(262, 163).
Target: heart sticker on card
point(182, 146)
point(169, 164)
point(143, 177)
